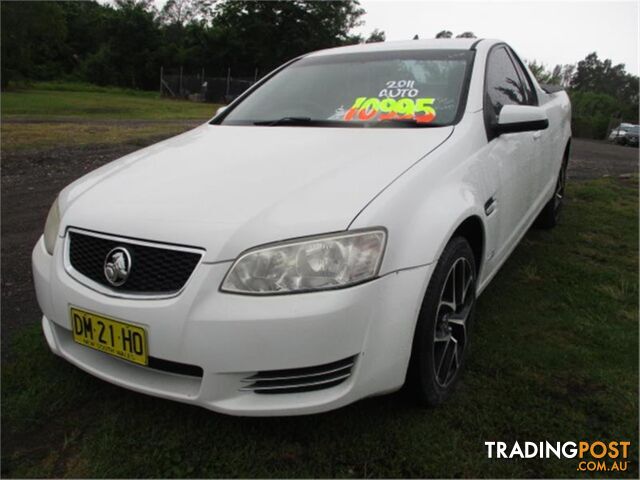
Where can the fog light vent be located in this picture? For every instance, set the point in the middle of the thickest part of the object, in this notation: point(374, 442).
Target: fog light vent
point(295, 380)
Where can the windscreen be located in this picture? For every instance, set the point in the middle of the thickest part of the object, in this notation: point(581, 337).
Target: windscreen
point(391, 88)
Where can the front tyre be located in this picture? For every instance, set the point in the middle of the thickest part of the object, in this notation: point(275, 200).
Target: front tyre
point(548, 217)
point(442, 333)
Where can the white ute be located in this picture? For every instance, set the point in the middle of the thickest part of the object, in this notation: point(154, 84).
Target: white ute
point(321, 240)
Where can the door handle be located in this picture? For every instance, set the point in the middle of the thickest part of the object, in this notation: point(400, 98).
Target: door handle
point(537, 135)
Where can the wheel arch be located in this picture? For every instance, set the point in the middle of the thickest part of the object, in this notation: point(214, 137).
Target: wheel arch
point(473, 231)
point(567, 150)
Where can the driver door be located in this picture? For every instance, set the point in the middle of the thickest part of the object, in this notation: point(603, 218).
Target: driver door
point(509, 168)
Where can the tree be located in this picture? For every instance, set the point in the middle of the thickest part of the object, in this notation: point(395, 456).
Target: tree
point(466, 35)
point(147, 5)
point(567, 73)
point(376, 36)
point(592, 113)
point(85, 23)
point(595, 75)
point(183, 12)
point(444, 34)
point(127, 54)
point(599, 92)
point(33, 40)
point(538, 71)
point(544, 76)
point(265, 34)
point(559, 75)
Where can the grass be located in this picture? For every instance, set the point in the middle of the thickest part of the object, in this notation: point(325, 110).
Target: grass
point(54, 115)
point(555, 357)
point(73, 86)
point(19, 137)
point(88, 102)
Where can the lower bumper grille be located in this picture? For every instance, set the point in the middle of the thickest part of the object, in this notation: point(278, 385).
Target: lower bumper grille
point(297, 380)
point(175, 367)
point(154, 378)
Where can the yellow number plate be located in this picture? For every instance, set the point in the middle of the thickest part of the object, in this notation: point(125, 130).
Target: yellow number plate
point(110, 336)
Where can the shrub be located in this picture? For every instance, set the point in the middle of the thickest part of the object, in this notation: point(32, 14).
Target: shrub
point(592, 113)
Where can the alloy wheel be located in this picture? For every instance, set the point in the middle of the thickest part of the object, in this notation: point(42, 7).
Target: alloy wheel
point(450, 330)
point(559, 193)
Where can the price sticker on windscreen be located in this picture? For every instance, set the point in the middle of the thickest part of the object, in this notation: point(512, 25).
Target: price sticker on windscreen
point(371, 108)
point(397, 100)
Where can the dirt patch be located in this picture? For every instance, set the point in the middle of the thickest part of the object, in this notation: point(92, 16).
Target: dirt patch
point(30, 183)
point(593, 159)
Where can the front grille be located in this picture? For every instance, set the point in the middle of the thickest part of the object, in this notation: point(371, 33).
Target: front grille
point(154, 270)
point(297, 380)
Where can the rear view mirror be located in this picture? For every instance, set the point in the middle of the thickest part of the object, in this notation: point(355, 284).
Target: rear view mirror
point(220, 110)
point(521, 118)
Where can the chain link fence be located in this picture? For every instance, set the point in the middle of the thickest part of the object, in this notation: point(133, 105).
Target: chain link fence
point(201, 87)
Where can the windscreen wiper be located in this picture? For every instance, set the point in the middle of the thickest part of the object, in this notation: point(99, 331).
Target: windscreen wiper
point(401, 122)
point(311, 122)
point(306, 122)
point(285, 121)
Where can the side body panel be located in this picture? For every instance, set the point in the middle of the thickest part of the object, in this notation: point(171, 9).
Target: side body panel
point(424, 207)
point(554, 140)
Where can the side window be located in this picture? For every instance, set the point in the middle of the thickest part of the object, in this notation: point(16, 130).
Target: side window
point(532, 98)
point(502, 84)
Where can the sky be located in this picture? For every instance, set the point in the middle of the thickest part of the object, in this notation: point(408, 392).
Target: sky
point(556, 32)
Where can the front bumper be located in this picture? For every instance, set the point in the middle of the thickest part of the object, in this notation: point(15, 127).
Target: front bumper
point(231, 337)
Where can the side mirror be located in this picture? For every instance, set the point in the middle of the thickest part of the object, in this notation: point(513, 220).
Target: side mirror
point(220, 110)
point(521, 118)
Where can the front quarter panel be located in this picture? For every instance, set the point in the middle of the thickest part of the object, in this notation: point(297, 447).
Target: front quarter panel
point(423, 208)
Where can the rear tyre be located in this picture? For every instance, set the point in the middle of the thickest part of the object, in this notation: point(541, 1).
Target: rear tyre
point(548, 217)
point(441, 338)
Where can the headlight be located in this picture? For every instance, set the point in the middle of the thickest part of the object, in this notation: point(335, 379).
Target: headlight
point(313, 263)
point(51, 227)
